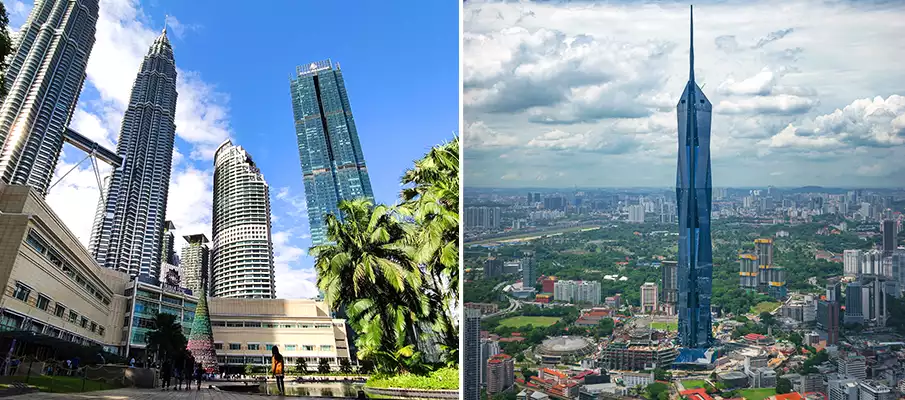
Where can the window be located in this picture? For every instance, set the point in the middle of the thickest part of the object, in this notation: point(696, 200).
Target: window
point(22, 292)
point(308, 347)
point(234, 324)
point(235, 346)
point(268, 347)
point(254, 346)
point(43, 302)
point(218, 346)
point(93, 327)
point(290, 347)
point(249, 324)
point(100, 330)
point(84, 322)
point(59, 310)
point(73, 316)
point(326, 347)
point(35, 243)
point(218, 323)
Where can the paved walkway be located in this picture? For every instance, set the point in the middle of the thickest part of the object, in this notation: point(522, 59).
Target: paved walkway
point(143, 394)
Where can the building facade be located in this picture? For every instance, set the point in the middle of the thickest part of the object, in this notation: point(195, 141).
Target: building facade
point(500, 373)
point(129, 229)
point(242, 261)
point(333, 165)
point(649, 297)
point(669, 286)
point(471, 357)
point(693, 198)
point(44, 79)
point(196, 263)
point(168, 248)
point(52, 285)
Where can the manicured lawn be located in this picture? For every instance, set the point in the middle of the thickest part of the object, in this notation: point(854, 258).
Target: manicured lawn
point(757, 394)
point(665, 326)
point(766, 306)
point(441, 379)
point(518, 322)
point(58, 384)
point(695, 384)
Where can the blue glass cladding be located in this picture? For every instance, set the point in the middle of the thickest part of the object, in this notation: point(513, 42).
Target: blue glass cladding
point(693, 196)
point(333, 166)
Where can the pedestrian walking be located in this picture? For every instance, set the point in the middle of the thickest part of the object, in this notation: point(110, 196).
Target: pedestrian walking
point(276, 367)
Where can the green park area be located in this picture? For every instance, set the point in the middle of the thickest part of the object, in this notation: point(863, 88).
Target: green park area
point(757, 394)
point(665, 326)
point(57, 384)
point(695, 384)
point(520, 321)
point(764, 306)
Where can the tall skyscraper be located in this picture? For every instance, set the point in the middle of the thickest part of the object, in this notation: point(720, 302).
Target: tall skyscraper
point(471, 359)
point(242, 261)
point(333, 165)
point(888, 229)
point(167, 249)
point(196, 263)
point(128, 235)
point(649, 297)
point(44, 79)
point(851, 261)
point(669, 286)
point(693, 198)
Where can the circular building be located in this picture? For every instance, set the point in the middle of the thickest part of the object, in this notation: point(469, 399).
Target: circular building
point(553, 349)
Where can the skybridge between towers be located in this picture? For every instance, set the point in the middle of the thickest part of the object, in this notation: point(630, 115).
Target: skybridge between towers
point(95, 152)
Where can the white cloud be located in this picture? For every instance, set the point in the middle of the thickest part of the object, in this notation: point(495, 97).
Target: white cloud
point(554, 86)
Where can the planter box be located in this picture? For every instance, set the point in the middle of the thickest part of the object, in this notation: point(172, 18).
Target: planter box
point(415, 393)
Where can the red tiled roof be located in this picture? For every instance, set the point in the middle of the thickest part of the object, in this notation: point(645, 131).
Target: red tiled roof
point(789, 396)
point(699, 393)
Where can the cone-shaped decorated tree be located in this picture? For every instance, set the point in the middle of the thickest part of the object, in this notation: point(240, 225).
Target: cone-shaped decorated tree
point(201, 340)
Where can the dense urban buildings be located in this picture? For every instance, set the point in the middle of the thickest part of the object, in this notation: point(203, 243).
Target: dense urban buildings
point(482, 217)
point(333, 165)
point(693, 197)
point(242, 259)
point(44, 79)
point(577, 292)
point(129, 229)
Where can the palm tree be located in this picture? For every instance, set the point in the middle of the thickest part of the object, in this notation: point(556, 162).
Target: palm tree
point(167, 339)
point(365, 270)
point(431, 199)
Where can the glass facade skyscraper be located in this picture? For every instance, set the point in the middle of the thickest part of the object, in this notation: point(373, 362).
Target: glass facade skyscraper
point(333, 166)
point(693, 195)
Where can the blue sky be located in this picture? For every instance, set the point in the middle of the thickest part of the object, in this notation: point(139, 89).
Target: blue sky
point(400, 63)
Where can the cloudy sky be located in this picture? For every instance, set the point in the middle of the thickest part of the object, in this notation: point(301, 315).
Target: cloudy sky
point(559, 94)
point(233, 65)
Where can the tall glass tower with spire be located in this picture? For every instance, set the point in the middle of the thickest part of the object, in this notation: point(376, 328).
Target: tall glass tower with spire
point(693, 196)
point(333, 166)
point(45, 76)
point(128, 232)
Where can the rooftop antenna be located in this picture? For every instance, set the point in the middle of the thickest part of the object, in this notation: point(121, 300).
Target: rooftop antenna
point(166, 19)
point(691, 46)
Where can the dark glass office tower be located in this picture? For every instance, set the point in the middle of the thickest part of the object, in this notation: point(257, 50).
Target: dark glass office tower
point(693, 196)
point(333, 166)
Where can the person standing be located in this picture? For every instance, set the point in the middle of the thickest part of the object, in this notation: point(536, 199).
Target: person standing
point(199, 372)
point(276, 367)
point(166, 372)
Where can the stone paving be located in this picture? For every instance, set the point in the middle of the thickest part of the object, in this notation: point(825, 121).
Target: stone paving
point(144, 394)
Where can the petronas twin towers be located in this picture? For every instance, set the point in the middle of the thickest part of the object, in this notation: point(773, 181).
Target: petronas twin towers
point(128, 229)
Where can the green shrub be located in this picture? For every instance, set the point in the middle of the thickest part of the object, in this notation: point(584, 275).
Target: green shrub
point(441, 379)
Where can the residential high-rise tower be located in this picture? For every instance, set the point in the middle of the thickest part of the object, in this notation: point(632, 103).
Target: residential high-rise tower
point(167, 249)
point(471, 358)
point(44, 79)
point(693, 198)
point(196, 263)
point(242, 260)
point(129, 233)
point(333, 165)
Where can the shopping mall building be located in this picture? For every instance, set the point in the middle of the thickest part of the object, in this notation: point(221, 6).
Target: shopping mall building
point(55, 289)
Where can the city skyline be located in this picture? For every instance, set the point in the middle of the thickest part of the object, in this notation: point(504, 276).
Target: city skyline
point(253, 111)
point(547, 95)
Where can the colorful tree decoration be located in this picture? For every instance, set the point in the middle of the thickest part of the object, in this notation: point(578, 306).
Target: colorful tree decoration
point(201, 339)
